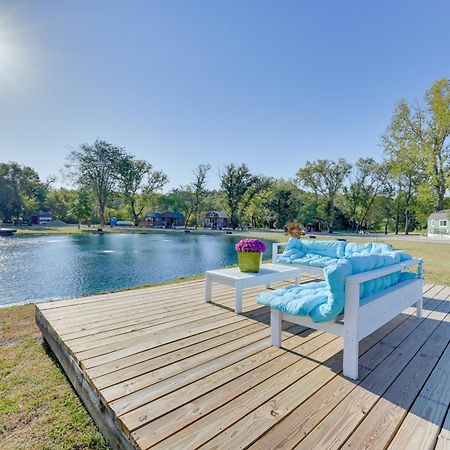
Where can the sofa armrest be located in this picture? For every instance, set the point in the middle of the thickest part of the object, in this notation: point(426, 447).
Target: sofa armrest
point(275, 247)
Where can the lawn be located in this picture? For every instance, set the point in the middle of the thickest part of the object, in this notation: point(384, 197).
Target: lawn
point(38, 408)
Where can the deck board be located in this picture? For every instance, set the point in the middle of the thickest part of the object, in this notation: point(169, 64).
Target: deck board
point(160, 368)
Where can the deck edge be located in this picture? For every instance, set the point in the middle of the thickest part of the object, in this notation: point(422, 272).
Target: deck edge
point(103, 416)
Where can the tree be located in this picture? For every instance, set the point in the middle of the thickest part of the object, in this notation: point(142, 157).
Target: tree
point(425, 129)
point(369, 179)
point(59, 202)
point(198, 188)
point(96, 168)
point(138, 182)
point(405, 151)
point(236, 182)
point(81, 208)
point(326, 178)
point(284, 202)
point(21, 191)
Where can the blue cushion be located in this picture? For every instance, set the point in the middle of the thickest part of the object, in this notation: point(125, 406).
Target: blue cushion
point(370, 248)
point(315, 260)
point(296, 300)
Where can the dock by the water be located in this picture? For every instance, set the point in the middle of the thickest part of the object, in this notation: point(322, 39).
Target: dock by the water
point(160, 368)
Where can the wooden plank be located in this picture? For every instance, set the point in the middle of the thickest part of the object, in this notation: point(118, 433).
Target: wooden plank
point(124, 358)
point(200, 351)
point(160, 318)
point(112, 295)
point(286, 433)
point(166, 335)
point(103, 417)
point(136, 391)
point(236, 378)
point(443, 441)
point(208, 426)
point(424, 420)
point(339, 424)
point(247, 430)
point(381, 423)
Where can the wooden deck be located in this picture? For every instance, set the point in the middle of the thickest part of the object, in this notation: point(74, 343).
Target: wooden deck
point(159, 368)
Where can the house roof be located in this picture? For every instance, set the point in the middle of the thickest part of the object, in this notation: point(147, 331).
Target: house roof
point(172, 215)
point(444, 214)
point(219, 214)
point(153, 214)
point(42, 214)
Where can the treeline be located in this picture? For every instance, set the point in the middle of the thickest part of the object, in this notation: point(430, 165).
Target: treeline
point(395, 194)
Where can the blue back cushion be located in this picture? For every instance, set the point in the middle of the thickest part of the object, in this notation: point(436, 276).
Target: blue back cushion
point(375, 248)
point(332, 249)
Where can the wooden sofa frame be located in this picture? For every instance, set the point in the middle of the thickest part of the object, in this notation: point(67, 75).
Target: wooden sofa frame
point(358, 321)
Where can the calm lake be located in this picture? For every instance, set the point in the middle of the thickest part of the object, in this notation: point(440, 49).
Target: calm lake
point(40, 268)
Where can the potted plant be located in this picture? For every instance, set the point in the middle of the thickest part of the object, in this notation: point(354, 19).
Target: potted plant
point(250, 254)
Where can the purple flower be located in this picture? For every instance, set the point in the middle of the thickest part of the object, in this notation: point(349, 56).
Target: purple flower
point(251, 245)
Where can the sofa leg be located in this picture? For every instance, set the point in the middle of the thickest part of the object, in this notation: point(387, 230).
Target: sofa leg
point(275, 327)
point(419, 308)
point(351, 351)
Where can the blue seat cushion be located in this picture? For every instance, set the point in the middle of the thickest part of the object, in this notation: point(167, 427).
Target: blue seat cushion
point(296, 300)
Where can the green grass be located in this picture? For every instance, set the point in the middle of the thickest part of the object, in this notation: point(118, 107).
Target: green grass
point(38, 407)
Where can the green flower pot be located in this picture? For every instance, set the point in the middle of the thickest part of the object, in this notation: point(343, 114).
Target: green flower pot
point(249, 261)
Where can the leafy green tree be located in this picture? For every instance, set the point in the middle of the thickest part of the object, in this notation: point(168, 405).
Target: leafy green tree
point(199, 191)
point(95, 168)
point(238, 187)
point(81, 208)
point(368, 181)
point(422, 132)
point(21, 191)
point(59, 202)
point(284, 202)
point(138, 182)
point(325, 178)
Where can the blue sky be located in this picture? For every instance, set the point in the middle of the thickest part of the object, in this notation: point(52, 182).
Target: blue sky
point(268, 83)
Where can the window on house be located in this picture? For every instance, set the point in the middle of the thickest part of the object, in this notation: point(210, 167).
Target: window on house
point(442, 223)
point(432, 222)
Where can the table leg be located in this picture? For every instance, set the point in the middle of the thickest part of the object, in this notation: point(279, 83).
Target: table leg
point(297, 279)
point(238, 304)
point(208, 289)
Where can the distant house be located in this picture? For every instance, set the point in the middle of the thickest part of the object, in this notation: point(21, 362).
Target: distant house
point(41, 218)
point(216, 220)
point(153, 219)
point(439, 224)
point(170, 219)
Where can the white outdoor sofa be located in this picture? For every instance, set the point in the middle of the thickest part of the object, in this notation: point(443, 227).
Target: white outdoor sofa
point(356, 317)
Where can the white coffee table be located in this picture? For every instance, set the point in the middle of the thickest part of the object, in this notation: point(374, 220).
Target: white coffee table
point(269, 273)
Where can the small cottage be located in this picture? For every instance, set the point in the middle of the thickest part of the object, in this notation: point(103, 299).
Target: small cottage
point(41, 218)
point(171, 219)
point(439, 224)
point(153, 219)
point(216, 220)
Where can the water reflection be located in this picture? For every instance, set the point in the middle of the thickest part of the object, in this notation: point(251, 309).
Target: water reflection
point(42, 268)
